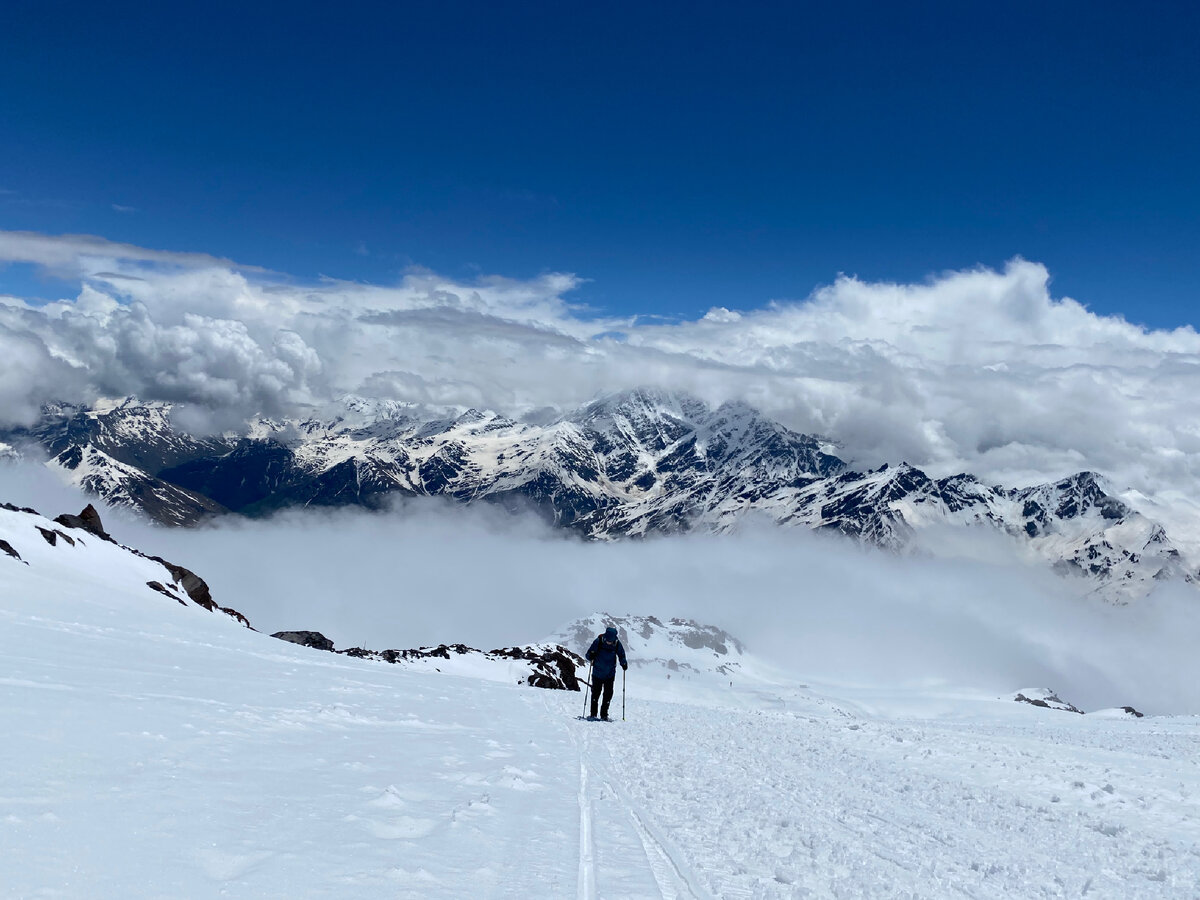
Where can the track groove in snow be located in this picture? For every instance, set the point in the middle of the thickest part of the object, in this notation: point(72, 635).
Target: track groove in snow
point(587, 862)
point(675, 877)
point(772, 805)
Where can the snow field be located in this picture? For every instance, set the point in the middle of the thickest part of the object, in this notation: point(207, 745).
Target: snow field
point(163, 765)
point(777, 805)
point(157, 750)
point(197, 773)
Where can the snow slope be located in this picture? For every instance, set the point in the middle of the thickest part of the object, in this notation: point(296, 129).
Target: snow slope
point(156, 749)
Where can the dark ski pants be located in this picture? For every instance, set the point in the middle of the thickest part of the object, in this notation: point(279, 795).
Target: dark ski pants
point(602, 686)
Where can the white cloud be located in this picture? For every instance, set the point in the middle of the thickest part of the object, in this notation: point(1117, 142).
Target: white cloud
point(79, 254)
point(982, 370)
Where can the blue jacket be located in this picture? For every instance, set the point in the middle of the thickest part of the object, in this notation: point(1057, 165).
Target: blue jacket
point(603, 654)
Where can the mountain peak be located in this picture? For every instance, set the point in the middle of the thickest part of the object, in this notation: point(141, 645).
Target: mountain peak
point(629, 464)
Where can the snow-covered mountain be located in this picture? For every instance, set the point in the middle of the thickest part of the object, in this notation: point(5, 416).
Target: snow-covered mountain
point(680, 659)
point(633, 464)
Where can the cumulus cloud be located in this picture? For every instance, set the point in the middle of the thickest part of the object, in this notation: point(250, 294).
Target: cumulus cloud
point(982, 370)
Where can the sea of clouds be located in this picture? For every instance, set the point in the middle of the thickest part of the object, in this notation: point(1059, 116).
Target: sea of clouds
point(819, 606)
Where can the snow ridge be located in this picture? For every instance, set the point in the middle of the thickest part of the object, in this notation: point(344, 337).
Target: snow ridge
point(637, 463)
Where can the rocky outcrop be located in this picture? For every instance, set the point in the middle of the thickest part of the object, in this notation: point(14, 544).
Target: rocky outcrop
point(166, 591)
point(550, 666)
point(313, 639)
point(88, 520)
point(195, 587)
point(1046, 699)
point(53, 534)
point(555, 667)
point(6, 547)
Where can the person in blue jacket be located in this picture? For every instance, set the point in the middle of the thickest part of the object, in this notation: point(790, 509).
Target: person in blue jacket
point(603, 655)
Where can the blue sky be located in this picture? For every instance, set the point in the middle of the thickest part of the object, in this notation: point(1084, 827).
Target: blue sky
point(679, 156)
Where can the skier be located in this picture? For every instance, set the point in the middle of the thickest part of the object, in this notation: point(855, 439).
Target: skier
point(603, 655)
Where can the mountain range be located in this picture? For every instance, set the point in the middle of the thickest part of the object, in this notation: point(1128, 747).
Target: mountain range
point(635, 464)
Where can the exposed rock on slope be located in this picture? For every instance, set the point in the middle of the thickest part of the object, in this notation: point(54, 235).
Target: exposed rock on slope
point(313, 639)
point(1045, 698)
point(80, 554)
point(538, 665)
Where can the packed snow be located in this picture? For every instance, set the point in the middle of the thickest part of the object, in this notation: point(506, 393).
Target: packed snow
point(155, 749)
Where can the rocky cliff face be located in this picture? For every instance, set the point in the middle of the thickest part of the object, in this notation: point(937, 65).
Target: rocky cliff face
point(634, 464)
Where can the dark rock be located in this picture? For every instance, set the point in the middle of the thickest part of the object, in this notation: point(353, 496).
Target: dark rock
point(91, 521)
point(165, 591)
point(234, 614)
point(441, 651)
point(88, 520)
point(8, 548)
point(313, 639)
point(247, 474)
point(52, 536)
point(553, 668)
point(1132, 711)
point(1052, 701)
point(195, 586)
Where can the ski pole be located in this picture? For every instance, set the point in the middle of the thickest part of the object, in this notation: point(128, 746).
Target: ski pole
point(623, 670)
point(585, 693)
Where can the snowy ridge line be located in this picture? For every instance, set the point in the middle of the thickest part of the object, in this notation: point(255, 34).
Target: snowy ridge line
point(542, 665)
point(72, 555)
point(632, 464)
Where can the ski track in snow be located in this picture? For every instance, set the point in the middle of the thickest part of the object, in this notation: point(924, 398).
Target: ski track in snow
point(587, 865)
point(232, 774)
point(766, 805)
point(669, 876)
point(674, 876)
